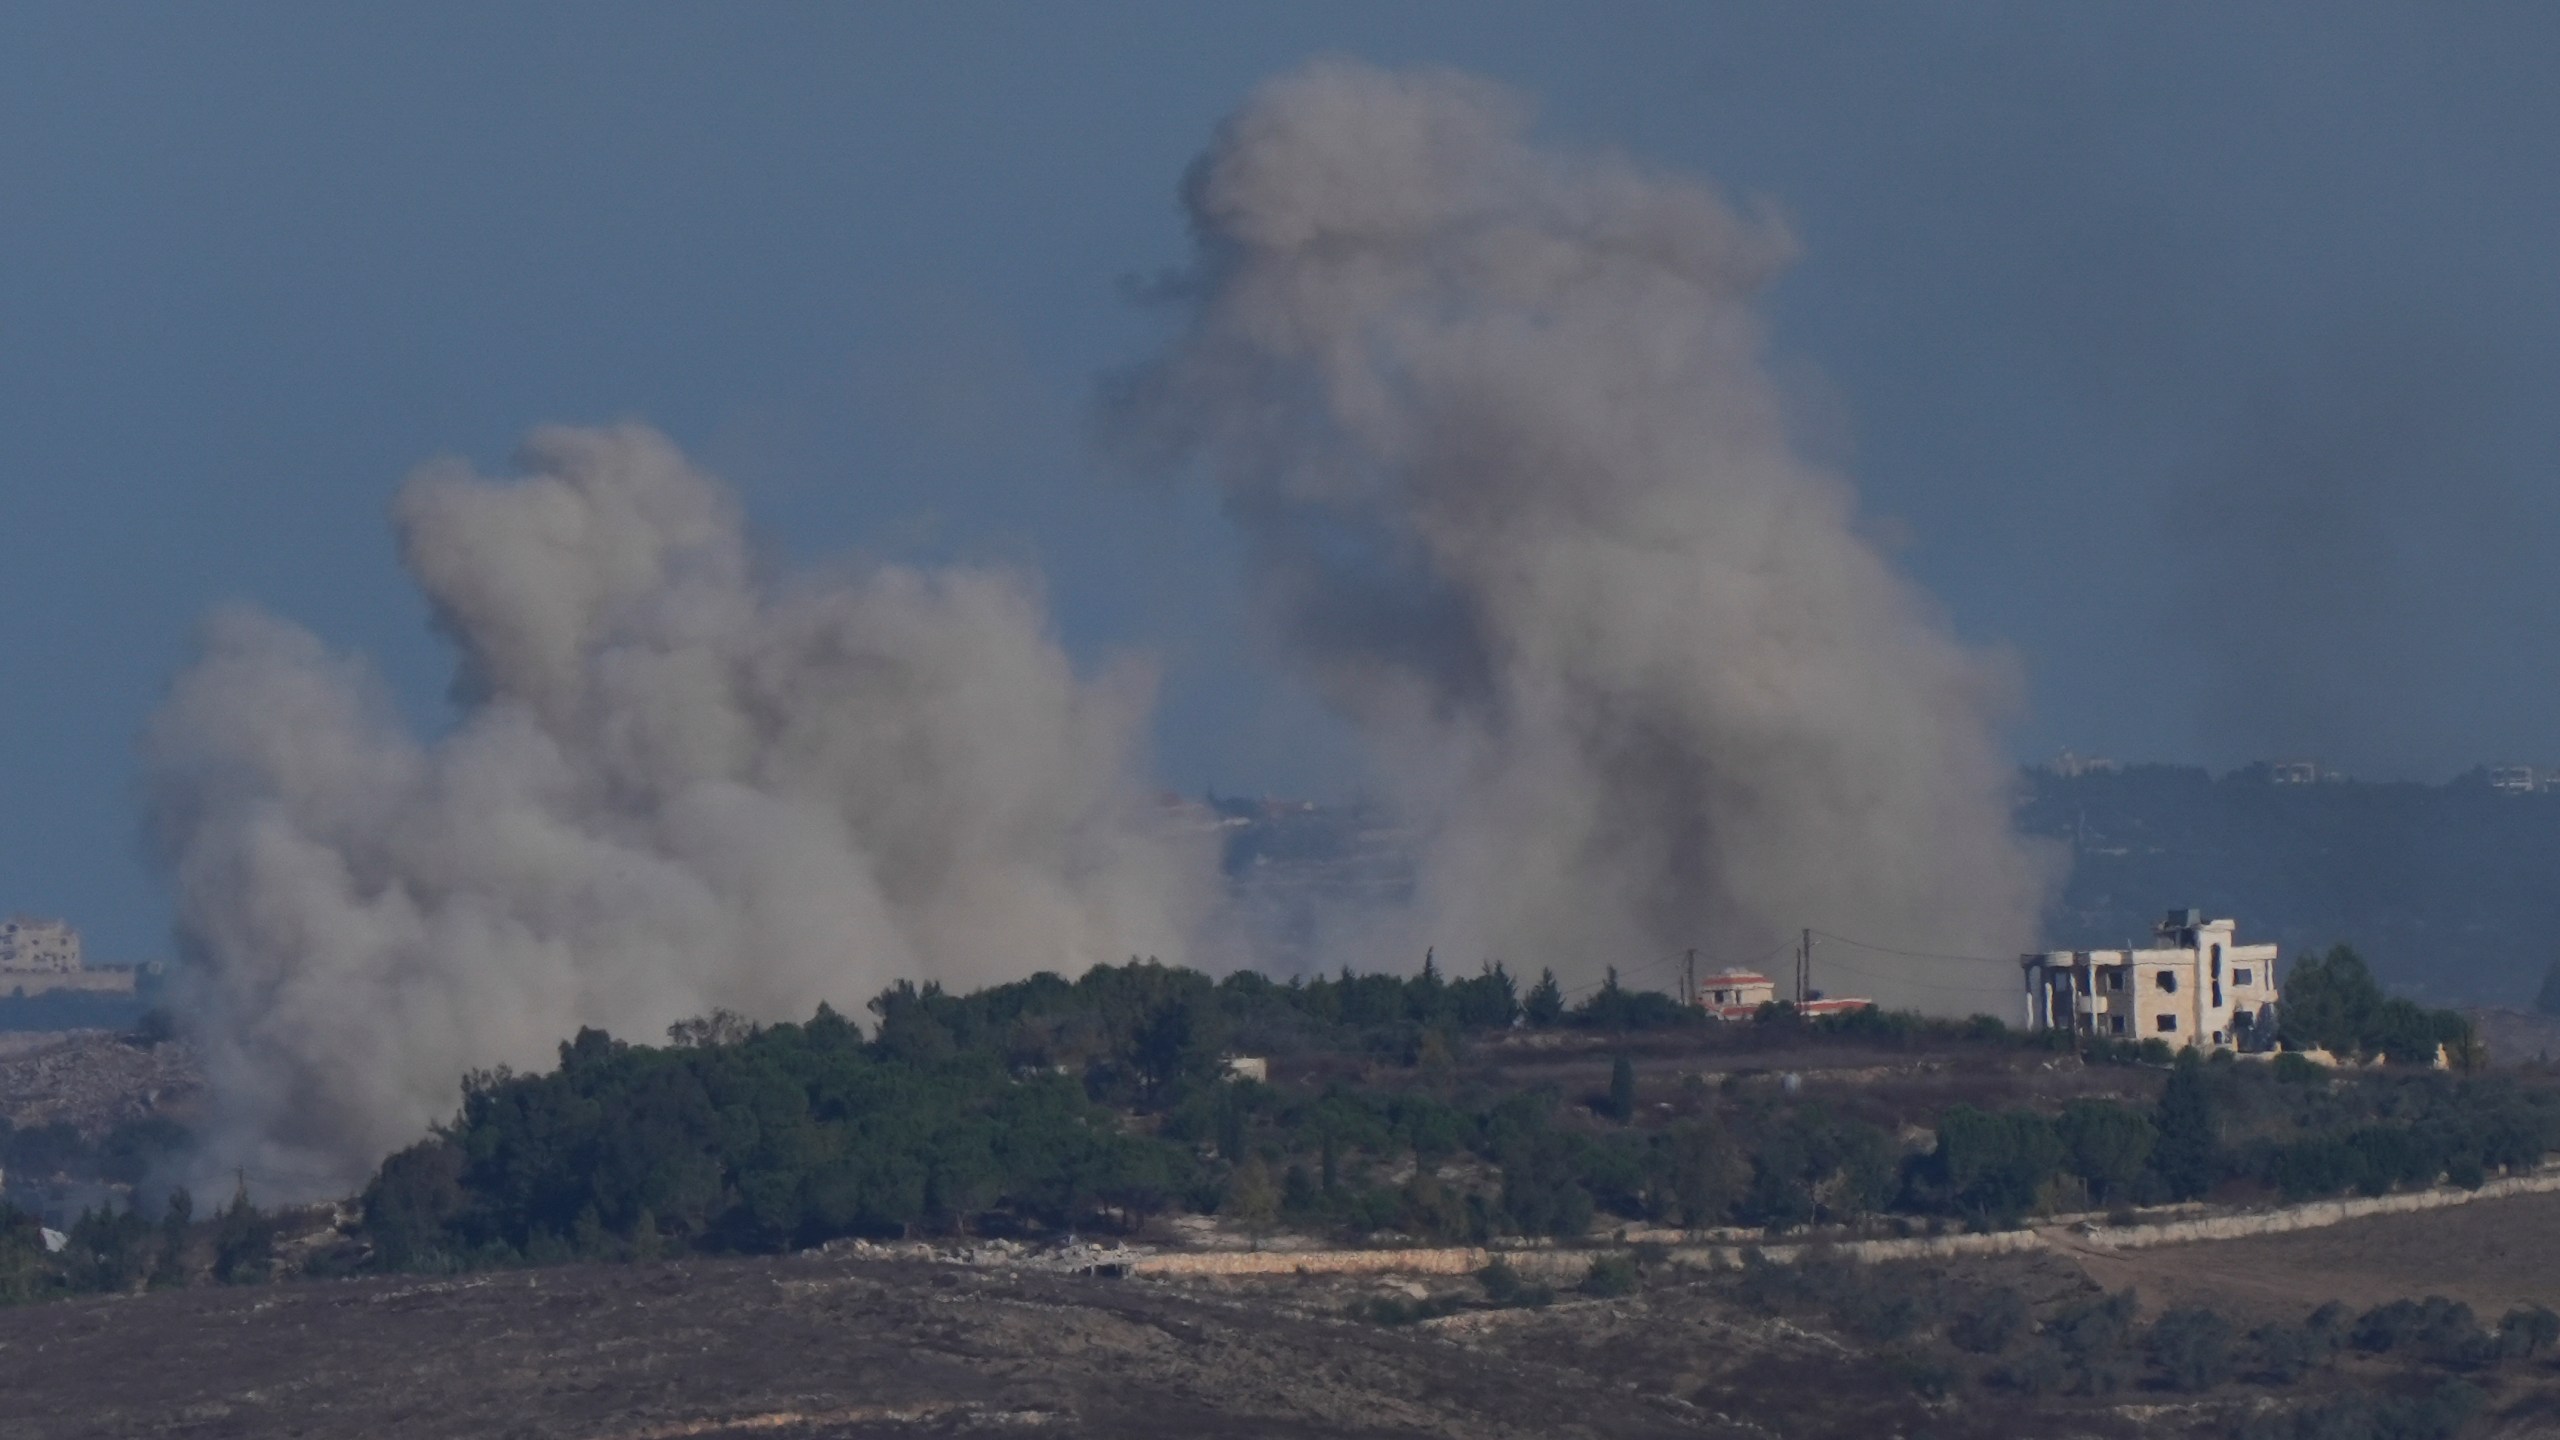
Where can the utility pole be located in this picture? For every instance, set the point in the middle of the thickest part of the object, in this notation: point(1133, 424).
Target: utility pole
point(1689, 979)
point(1804, 967)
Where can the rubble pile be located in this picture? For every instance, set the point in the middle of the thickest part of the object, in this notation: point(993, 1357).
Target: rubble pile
point(96, 1079)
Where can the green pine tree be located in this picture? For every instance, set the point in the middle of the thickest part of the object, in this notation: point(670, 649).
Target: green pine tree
point(2548, 1002)
point(2186, 1154)
point(1545, 1004)
point(1622, 1090)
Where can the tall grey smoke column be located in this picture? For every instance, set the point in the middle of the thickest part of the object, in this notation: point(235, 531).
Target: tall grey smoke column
point(676, 786)
point(1523, 506)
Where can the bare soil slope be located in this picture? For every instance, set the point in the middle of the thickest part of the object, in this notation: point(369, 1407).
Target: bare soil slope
point(2492, 1255)
point(802, 1348)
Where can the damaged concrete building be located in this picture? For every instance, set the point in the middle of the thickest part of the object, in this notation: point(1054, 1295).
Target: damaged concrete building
point(2195, 985)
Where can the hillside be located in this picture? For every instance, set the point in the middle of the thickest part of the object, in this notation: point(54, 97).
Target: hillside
point(830, 1346)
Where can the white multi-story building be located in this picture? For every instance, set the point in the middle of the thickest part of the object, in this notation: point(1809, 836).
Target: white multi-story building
point(50, 946)
point(2195, 986)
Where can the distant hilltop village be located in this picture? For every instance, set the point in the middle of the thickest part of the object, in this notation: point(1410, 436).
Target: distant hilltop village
point(2443, 888)
point(37, 956)
point(2506, 778)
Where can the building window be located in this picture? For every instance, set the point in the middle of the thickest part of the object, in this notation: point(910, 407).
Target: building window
point(2115, 981)
point(2241, 977)
point(2116, 1023)
point(2168, 981)
point(2217, 994)
point(2166, 1023)
point(2217, 962)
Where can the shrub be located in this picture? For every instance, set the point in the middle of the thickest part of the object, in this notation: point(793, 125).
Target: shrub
point(244, 1242)
point(1622, 1090)
point(1929, 1379)
point(2438, 1415)
point(2093, 1338)
point(2392, 1155)
point(2309, 1168)
point(2293, 1069)
point(2105, 1144)
point(1992, 1324)
point(2386, 1328)
point(2039, 1369)
point(1398, 1310)
point(1610, 1276)
point(2437, 1329)
point(1697, 1173)
point(2286, 1353)
point(2186, 1156)
point(1505, 1286)
point(1990, 1165)
point(2192, 1349)
point(2528, 1330)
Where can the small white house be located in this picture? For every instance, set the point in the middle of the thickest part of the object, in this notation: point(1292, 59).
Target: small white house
point(1735, 994)
point(1739, 994)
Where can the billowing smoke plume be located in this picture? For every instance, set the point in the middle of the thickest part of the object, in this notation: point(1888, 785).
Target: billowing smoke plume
point(676, 785)
point(1523, 506)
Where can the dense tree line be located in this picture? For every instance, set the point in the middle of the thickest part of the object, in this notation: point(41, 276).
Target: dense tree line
point(2332, 1003)
point(1051, 1104)
point(115, 1251)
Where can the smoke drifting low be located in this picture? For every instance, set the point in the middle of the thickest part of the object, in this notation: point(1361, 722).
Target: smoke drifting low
point(675, 786)
point(1524, 508)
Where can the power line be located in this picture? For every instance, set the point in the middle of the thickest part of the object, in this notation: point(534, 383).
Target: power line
point(1646, 968)
point(1677, 956)
point(1918, 954)
point(1897, 977)
point(1870, 978)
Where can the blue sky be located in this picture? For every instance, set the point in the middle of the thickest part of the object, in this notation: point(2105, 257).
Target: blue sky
point(2201, 356)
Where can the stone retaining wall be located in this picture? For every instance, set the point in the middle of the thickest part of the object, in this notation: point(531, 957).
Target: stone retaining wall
point(2314, 1214)
point(1451, 1261)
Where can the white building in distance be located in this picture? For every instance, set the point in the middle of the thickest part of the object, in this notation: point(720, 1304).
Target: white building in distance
point(2195, 986)
point(41, 956)
point(50, 946)
point(1739, 994)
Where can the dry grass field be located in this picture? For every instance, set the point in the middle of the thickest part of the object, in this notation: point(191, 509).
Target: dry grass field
point(2492, 1256)
point(801, 1348)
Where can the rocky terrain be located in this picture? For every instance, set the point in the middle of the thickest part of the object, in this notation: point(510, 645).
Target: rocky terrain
point(93, 1079)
